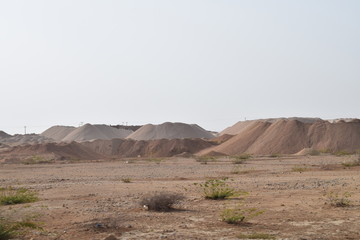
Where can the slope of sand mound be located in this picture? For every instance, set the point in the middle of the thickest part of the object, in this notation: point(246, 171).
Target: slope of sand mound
point(170, 131)
point(19, 139)
point(49, 151)
point(149, 148)
point(4, 135)
point(242, 125)
point(57, 132)
point(289, 136)
point(90, 132)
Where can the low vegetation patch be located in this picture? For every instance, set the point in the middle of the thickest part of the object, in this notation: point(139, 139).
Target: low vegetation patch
point(255, 236)
point(205, 159)
point(238, 170)
point(239, 214)
point(126, 180)
point(10, 196)
point(338, 199)
point(353, 163)
point(161, 201)
point(299, 169)
point(342, 153)
point(275, 155)
point(11, 230)
point(218, 189)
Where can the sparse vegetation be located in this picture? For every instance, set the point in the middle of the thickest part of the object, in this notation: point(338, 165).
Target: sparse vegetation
point(10, 230)
point(239, 214)
point(126, 180)
point(161, 201)
point(299, 169)
point(342, 153)
point(275, 155)
point(36, 159)
point(205, 159)
point(238, 170)
point(218, 189)
point(337, 199)
point(353, 163)
point(255, 236)
point(10, 196)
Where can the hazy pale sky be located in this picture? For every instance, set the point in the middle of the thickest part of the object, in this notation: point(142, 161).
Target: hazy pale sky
point(207, 62)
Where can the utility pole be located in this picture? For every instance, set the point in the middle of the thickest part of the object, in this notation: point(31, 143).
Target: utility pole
point(25, 129)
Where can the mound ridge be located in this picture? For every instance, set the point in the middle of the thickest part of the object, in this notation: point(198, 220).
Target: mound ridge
point(57, 132)
point(86, 132)
point(170, 130)
point(148, 148)
point(53, 151)
point(289, 136)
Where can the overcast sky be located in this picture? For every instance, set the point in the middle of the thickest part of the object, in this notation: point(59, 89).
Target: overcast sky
point(207, 62)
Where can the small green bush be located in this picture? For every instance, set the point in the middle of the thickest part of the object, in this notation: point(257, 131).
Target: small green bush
point(10, 196)
point(342, 153)
point(239, 214)
point(354, 163)
point(299, 169)
point(10, 230)
point(218, 189)
point(275, 155)
point(337, 199)
point(256, 236)
point(126, 180)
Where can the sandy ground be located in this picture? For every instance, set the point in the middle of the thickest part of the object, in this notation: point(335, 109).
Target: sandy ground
point(89, 200)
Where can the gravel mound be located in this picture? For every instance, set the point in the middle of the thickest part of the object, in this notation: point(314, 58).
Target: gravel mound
point(289, 136)
point(86, 132)
point(58, 133)
point(149, 148)
point(170, 131)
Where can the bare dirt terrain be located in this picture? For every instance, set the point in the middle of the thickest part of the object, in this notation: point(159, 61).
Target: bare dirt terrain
point(89, 200)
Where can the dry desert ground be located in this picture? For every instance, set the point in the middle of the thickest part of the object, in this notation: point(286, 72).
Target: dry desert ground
point(91, 199)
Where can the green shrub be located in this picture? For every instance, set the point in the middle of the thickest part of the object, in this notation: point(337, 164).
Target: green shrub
point(342, 153)
point(205, 159)
point(239, 214)
point(218, 189)
point(337, 199)
point(299, 169)
point(10, 230)
point(161, 201)
point(126, 180)
point(10, 196)
point(353, 163)
point(256, 236)
point(275, 155)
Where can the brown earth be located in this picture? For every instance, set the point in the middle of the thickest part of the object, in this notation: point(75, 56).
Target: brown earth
point(289, 136)
point(89, 201)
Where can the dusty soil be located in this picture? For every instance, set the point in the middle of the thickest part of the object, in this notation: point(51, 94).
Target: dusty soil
point(89, 200)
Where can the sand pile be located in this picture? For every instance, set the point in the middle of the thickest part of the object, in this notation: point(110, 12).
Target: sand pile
point(58, 132)
point(170, 131)
point(49, 151)
point(19, 139)
point(242, 125)
point(150, 148)
point(4, 135)
point(86, 132)
point(289, 136)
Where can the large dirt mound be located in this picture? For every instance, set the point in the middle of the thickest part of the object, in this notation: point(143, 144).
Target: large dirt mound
point(4, 135)
point(242, 125)
point(57, 132)
point(170, 131)
point(19, 139)
point(50, 151)
point(289, 136)
point(98, 131)
point(149, 148)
